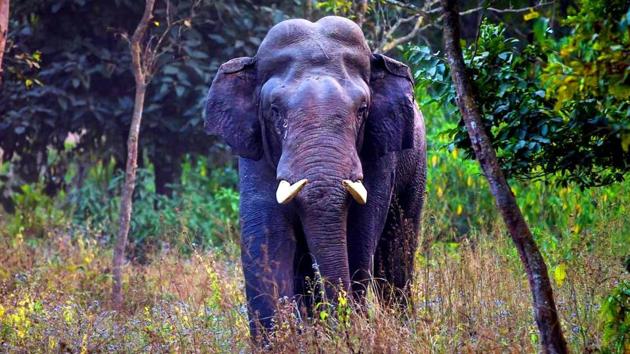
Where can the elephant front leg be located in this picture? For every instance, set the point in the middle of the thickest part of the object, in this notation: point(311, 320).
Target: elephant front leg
point(364, 230)
point(366, 224)
point(267, 252)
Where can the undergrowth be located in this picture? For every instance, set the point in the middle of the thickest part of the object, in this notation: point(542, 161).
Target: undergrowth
point(468, 296)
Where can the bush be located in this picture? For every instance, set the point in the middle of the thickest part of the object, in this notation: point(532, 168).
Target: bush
point(35, 214)
point(201, 213)
point(615, 317)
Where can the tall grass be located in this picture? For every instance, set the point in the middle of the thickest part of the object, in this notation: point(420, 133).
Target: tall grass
point(468, 296)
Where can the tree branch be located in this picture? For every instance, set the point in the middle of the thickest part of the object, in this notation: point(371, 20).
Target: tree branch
point(423, 15)
point(4, 30)
point(504, 11)
point(430, 10)
point(362, 7)
point(138, 65)
point(387, 46)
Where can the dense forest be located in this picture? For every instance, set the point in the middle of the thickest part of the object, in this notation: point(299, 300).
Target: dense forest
point(547, 81)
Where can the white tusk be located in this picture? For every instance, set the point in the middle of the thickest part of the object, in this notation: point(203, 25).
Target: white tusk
point(287, 191)
point(357, 190)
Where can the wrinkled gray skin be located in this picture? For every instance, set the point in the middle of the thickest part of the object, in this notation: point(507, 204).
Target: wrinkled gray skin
point(315, 103)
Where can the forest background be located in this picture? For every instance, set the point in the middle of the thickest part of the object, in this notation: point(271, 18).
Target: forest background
point(552, 80)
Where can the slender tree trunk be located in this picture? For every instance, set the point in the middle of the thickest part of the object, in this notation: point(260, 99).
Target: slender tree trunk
point(361, 10)
point(141, 78)
point(4, 30)
point(546, 315)
point(308, 9)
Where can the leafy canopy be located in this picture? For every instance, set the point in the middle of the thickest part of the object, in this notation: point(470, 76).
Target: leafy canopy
point(553, 108)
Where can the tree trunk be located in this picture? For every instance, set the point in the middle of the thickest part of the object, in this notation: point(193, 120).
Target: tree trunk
point(552, 339)
point(141, 79)
point(361, 10)
point(4, 30)
point(308, 9)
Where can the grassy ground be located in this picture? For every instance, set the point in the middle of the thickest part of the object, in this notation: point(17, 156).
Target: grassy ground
point(470, 296)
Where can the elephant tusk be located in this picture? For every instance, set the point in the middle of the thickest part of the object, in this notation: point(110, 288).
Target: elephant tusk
point(357, 190)
point(287, 191)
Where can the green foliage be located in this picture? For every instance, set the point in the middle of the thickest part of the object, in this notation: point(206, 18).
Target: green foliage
point(35, 214)
point(592, 62)
point(615, 316)
point(536, 132)
point(582, 234)
point(588, 73)
point(202, 212)
point(459, 200)
point(336, 7)
point(457, 194)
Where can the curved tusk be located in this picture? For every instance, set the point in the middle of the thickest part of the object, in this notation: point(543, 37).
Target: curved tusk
point(287, 191)
point(357, 190)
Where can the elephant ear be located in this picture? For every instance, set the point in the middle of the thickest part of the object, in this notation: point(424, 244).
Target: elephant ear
point(390, 123)
point(231, 107)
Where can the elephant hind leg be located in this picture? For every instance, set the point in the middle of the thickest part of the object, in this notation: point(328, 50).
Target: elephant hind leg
point(394, 259)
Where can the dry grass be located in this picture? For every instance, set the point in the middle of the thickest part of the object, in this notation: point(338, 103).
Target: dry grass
point(468, 297)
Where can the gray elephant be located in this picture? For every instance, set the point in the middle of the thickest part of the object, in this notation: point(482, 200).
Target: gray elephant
point(332, 162)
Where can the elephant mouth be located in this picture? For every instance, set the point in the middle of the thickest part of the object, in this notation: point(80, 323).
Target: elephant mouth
point(287, 191)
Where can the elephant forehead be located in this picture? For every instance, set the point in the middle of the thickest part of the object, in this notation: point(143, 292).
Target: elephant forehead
point(331, 41)
point(343, 30)
point(327, 33)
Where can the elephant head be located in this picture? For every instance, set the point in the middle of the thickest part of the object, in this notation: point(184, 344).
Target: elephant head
point(315, 103)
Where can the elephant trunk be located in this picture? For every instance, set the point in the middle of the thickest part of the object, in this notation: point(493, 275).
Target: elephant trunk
point(323, 211)
point(315, 163)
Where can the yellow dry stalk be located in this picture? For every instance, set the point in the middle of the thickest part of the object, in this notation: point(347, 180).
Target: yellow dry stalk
point(52, 344)
point(215, 284)
point(68, 313)
point(84, 344)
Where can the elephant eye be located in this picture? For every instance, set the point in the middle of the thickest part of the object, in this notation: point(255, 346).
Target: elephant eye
point(280, 124)
point(362, 110)
point(275, 113)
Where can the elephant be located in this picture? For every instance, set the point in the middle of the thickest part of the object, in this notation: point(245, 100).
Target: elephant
point(332, 162)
